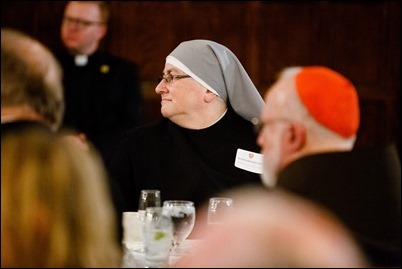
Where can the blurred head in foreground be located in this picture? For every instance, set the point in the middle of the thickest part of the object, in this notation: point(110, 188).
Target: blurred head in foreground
point(275, 229)
point(31, 85)
point(55, 205)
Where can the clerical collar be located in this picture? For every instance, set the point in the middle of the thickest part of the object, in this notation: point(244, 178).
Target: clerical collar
point(81, 60)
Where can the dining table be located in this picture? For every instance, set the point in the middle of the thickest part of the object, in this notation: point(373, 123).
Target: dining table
point(133, 257)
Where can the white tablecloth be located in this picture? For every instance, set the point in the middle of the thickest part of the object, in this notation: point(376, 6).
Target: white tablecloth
point(135, 259)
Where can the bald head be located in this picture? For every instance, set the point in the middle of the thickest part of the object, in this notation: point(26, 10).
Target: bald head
point(30, 77)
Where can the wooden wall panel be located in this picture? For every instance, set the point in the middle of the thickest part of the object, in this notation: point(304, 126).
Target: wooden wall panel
point(288, 37)
point(18, 14)
point(140, 33)
point(356, 35)
point(360, 40)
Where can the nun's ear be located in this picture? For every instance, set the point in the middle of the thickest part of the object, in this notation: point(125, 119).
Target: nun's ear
point(209, 96)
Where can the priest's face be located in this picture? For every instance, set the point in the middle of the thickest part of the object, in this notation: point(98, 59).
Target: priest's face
point(82, 28)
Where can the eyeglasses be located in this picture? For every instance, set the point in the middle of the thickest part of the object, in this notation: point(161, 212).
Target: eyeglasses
point(169, 77)
point(259, 124)
point(80, 24)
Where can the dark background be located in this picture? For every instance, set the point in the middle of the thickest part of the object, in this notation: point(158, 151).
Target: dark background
point(361, 40)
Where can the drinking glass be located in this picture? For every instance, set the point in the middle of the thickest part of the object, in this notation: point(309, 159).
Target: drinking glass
point(218, 209)
point(158, 232)
point(182, 214)
point(148, 198)
point(132, 228)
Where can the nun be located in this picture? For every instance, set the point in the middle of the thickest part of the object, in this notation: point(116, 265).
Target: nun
point(205, 144)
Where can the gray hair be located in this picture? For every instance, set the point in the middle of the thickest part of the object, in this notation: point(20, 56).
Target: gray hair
point(31, 76)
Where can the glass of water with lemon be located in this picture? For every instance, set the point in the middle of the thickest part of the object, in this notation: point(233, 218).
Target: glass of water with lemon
point(157, 238)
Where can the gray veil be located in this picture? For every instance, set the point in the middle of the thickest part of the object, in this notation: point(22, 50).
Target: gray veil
point(216, 67)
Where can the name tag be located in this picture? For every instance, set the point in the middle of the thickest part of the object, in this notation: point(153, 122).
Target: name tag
point(249, 161)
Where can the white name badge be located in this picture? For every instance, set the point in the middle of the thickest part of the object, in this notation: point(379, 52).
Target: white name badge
point(248, 160)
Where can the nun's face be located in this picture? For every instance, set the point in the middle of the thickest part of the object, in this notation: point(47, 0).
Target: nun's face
point(181, 97)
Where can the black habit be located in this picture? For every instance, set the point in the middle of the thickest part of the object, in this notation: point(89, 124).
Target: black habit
point(184, 164)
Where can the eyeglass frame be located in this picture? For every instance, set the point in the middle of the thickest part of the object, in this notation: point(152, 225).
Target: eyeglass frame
point(260, 124)
point(168, 78)
point(79, 23)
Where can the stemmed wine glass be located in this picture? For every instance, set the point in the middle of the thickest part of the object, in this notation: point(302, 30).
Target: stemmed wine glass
point(148, 198)
point(182, 214)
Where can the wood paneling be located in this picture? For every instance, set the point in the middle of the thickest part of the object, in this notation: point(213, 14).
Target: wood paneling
point(360, 40)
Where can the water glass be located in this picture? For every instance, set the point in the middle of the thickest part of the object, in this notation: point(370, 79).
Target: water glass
point(148, 198)
point(218, 209)
point(132, 228)
point(158, 233)
point(182, 214)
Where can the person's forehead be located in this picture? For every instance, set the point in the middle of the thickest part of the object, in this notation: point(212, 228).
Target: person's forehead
point(83, 10)
point(276, 96)
point(171, 68)
point(280, 89)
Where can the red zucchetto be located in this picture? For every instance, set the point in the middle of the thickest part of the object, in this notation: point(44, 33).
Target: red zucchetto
point(330, 98)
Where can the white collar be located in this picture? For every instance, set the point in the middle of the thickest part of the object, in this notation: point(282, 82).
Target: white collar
point(81, 60)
